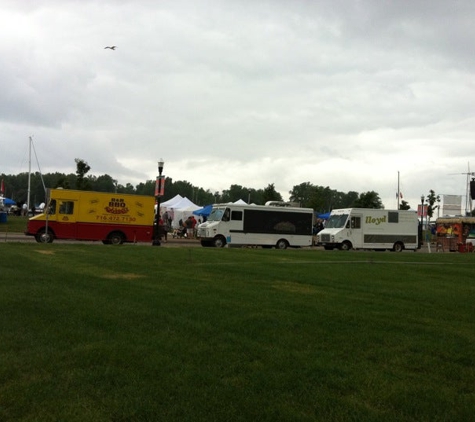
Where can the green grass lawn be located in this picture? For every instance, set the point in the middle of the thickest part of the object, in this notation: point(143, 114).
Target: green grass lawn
point(136, 333)
point(14, 224)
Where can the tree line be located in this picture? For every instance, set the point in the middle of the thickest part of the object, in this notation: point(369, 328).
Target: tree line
point(321, 199)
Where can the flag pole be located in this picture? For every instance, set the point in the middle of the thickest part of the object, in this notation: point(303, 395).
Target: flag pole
point(398, 191)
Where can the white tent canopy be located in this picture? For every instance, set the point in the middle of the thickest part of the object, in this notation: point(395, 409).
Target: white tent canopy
point(183, 214)
point(178, 208)
point(171, 202)
point(184, 203)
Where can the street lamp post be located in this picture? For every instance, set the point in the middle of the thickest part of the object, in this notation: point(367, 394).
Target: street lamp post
point(156, 228)
point(422, 218)
point(422, 210)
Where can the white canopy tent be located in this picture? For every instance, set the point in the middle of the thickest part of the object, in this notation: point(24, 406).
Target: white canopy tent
point(167, 205)
point(183, 214)
point(178, 208)
point(171, 202)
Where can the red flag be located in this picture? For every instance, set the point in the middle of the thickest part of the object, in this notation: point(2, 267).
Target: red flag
point(2, 188)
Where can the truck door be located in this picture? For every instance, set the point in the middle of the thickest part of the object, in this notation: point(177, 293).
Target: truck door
point(356, 231)
point(66, 218)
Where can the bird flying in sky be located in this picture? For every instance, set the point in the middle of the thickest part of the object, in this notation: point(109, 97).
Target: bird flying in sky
point(112, 47)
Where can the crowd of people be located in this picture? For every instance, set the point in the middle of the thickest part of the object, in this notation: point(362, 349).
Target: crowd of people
point(186, 229)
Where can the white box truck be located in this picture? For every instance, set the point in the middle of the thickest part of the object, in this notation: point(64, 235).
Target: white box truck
point(257, 225)
point(366, 228)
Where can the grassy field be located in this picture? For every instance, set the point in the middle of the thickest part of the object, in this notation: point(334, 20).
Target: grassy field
point(136, 333)
point(14, 224)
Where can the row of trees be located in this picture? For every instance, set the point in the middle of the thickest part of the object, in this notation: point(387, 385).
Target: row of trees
point(321, 199)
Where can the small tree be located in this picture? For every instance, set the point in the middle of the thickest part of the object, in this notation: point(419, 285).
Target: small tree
point(404, 205)
point(81, 170)
point(270, 194)
point(432, 198)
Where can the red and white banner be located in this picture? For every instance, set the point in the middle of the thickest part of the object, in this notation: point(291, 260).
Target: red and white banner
point(160, 186)
point(422, 212)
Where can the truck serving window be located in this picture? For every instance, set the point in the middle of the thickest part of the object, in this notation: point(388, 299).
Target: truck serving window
point(356, 222)
point(66, 207)
point(281, 221)
point(236, 215)
point(393, 217)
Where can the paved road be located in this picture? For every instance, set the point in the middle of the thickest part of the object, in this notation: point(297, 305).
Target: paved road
point(170, 243)
point(20, 237)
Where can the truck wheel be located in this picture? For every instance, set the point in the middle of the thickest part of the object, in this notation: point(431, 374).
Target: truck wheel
point(43, 237)
point(219, 242)
point(398, 247)
point(116, 238)
point(346, 246)
point(282, 244)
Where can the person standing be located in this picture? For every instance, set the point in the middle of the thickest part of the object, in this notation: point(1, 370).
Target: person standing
point(193, 225)
point(162, 230)
point(189, 227)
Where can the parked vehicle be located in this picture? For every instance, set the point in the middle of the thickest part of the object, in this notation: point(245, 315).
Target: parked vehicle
point(84, 215)
point(364, 228)
point(454, 233)
point(257, 225)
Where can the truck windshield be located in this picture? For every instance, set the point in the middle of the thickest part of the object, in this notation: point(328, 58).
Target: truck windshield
point(336, 221)
point(216, 214)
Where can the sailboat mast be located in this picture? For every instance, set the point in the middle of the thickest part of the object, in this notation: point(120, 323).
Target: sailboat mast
point(29, 178)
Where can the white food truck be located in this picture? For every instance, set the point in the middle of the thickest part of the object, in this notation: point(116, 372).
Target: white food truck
point(366, 228)
point(257, 225)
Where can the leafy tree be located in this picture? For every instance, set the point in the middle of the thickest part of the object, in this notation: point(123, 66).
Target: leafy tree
point(182, 187)
point(404, 205)
point(303, 194)
point(105, 183)
point(350, 199)
point(270, 194)
point(321, 199)
point(432, 198)
point(82, 168)
point(204, 197)
point(235, 193)
point(147, 188)
point(62, 182)
point(324, 198)
point(128, 188)
point(368, 200)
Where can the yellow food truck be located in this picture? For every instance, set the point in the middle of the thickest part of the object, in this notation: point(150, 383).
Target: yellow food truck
point(113, 218)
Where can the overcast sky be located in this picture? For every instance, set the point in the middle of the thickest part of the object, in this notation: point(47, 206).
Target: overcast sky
point(338, 93)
